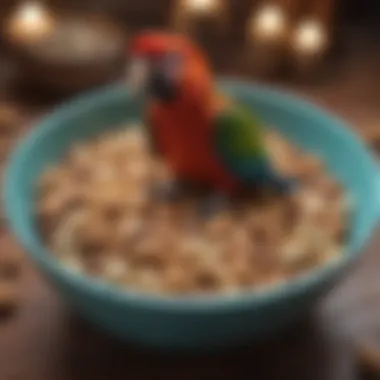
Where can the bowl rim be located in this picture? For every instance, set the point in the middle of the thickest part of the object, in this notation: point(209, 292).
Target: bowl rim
point(50, 264)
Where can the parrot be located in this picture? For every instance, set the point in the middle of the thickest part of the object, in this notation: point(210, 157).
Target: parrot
point(203, 135)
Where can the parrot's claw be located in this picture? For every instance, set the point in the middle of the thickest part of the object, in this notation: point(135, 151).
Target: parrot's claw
point(213, 204)
point(285, 185)
point(170, 191)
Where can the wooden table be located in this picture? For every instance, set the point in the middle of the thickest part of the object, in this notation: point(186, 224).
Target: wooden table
point(45, 341)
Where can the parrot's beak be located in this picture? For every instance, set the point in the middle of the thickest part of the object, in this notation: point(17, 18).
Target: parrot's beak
point(137, 75)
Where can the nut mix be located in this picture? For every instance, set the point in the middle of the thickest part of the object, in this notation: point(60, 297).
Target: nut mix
point(97, 215)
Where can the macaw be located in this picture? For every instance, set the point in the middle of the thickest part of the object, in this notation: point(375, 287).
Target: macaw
point(204, 136)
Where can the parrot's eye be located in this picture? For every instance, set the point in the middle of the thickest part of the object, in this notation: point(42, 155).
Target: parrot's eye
point(156, 75)
point(171, 65)
point(138, 74)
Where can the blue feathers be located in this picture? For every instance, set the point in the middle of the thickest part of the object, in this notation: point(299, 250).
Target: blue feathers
point(241, 148)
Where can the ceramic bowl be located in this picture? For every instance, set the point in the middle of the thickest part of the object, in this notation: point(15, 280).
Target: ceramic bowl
point(196, 322)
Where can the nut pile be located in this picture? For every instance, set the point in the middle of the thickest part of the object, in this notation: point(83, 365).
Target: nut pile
point(97, 215)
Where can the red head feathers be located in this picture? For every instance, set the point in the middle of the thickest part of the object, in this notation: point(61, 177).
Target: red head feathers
point(152, 44)
point(188, 79)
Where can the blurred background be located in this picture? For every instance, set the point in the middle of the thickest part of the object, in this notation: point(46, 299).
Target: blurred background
point(326, 50)
point(51, 49)
point(313, 42)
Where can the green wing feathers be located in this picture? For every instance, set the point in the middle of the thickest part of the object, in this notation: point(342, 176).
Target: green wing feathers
point(239, 134)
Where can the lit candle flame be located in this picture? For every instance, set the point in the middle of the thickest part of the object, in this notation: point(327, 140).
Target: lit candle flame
point(201, 6)
point(310, 37)
point(30, 21)
point(268, 23)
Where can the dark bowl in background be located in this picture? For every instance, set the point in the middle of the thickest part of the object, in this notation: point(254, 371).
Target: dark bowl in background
point(37, 69)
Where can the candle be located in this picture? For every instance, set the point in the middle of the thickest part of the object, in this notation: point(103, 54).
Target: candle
point(190, 12)
point(266, 31)
point(202, 19)
point(310, 38)
point(269, 23)
point(31, 21)
point(309, 42)
point(201, 7)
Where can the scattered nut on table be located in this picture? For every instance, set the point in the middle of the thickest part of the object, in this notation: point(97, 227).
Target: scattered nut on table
point(10, 119)
point(9, 297)
point(9, 281)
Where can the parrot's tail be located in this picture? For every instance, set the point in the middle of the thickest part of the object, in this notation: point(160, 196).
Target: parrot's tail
point(268, 176)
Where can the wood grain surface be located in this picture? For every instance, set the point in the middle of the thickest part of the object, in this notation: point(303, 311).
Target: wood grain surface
point(45, 340)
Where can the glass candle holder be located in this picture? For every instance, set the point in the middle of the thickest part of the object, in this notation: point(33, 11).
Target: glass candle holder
point(266, 32)
point(309, 44)
point(30, 22)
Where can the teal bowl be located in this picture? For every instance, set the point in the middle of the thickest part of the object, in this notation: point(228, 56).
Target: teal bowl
point(196, 322)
